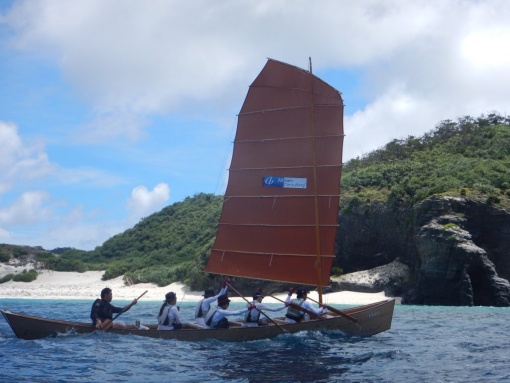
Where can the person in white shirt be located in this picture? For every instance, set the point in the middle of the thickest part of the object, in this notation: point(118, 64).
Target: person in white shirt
point(253, 317)
point(216, 317)
point(204, 305)
point(169, 317)
point(295, 315)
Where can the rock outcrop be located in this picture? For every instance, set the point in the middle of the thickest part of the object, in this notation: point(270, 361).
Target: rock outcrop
point(387, 278)
point(457, 251)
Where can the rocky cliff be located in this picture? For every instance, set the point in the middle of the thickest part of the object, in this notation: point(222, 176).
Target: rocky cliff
point(448, 251)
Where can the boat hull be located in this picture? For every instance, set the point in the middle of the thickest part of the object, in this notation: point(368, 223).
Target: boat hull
point(371, 319)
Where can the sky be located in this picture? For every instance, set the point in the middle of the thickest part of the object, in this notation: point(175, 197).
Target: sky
point(111, 110)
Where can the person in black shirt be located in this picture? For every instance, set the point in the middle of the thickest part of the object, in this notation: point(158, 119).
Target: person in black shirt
point(102, 310)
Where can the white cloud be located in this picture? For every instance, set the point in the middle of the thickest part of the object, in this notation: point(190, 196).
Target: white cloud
point(4, 234)
point(19, 161)
point(30, 217)
point(384, 120)
point(131, 61)
point(29, 208)
point(76, 228)
point(144, 202)
point(22, 163)
point(112, 124)
point(88, 176)
point(80, 234)
point(489, 49)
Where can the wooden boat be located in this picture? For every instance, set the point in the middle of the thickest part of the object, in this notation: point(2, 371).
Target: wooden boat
point(280, 209)
point(375, 318)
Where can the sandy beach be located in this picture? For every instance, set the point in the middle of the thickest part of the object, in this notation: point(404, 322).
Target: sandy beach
point(88, 285)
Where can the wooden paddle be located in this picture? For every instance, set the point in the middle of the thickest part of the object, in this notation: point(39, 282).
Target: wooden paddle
point(311, 313)
point(260, 311)
point(336, 311)
point(109, 323)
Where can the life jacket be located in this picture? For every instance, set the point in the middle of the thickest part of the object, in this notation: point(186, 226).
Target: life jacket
point(252, 316)
point(198, 310)
point(163, 318)
point(293, 312)
point(209, 316)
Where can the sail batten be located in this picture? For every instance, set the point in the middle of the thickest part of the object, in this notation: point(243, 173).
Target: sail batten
point(282, 167)
point(285, 108)
point(276, 254)
point(280, 210)
point(289, 138)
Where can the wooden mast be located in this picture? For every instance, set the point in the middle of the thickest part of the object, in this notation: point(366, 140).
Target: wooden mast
point(314, 155)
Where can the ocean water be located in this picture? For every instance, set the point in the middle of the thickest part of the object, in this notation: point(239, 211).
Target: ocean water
point(425, 344)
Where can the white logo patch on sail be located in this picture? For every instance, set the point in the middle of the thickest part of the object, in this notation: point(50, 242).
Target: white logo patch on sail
point(285, 182)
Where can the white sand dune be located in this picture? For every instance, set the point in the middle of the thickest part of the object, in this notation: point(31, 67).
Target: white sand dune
point(88, 285)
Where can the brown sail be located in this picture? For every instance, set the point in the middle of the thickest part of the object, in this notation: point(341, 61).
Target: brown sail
point(280, 209)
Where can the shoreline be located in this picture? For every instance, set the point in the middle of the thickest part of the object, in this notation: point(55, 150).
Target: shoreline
point(88, 285)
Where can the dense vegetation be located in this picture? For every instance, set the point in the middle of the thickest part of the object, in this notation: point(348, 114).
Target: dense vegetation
point(470, 157)
point(24, 276)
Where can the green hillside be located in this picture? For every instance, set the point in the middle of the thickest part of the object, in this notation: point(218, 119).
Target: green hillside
point(470, 157)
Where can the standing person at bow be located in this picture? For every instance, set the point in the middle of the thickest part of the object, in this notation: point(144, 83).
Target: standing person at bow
point(216, 317)
point(294, 314)
point(204, 305)
point(253, 317)
point(169, 317)
point(102, 311)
